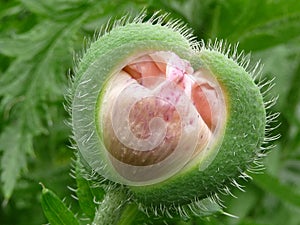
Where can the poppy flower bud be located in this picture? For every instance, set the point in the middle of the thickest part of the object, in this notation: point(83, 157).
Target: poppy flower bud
point(171, 119)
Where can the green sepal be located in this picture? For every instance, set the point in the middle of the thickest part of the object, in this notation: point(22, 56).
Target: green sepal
point(233, 151)
point(55, 210)
point(244, 133)
point(88, 194)
point(84, 193)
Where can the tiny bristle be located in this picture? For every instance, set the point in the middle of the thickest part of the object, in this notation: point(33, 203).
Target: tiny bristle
point(234, 183)
point(216, 198)
point(228, 191)
point(245, 176)
point(231, 52)
point(74, 197)
point(230, 215)
point(256, 167)
point(265, 85)
point(95, 201)
point(199, 207)
point(72, 189)
point(157, 18)
point(271, 102)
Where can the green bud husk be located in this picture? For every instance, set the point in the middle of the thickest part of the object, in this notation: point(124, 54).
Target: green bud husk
point(244, 123)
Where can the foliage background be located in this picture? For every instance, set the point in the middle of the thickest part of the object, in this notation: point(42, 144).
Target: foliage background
point(38, 40)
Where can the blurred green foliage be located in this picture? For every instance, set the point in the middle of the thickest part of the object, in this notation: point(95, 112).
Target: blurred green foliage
point(38, 40)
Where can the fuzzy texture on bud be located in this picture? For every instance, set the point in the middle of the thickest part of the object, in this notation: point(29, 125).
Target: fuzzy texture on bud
point(171, 119)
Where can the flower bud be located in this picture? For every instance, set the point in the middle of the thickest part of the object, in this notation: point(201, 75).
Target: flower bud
point(172, 120)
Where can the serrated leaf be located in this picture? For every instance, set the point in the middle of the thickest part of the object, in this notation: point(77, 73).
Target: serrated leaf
point(16, 146)
point(21, 45)
point(56, 9)
point(34, 80)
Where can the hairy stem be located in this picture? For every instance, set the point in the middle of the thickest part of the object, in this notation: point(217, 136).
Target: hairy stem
point(112, 207)
point(129, 214)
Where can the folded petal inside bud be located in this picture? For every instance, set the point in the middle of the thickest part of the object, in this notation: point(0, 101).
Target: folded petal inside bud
point(157, 117)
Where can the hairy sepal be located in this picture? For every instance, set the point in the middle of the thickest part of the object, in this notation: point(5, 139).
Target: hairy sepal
point(244, 127)
point(241, 142)
point(106, 57)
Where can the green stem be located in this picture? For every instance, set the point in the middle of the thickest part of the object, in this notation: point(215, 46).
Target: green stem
point(115, 209)
point(129, 214)
point(181, 222)
point(111, 206)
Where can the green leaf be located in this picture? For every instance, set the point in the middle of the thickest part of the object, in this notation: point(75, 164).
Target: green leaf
point(252, 222)
point(276, 22)
point(55, 210)
point(11, 13)
point(85, 193)
point(16, 145)
point(256, 24)
point(282, 191)
point(21, 45)
point(32, 83)
point(57, 9)
point(242, 205)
